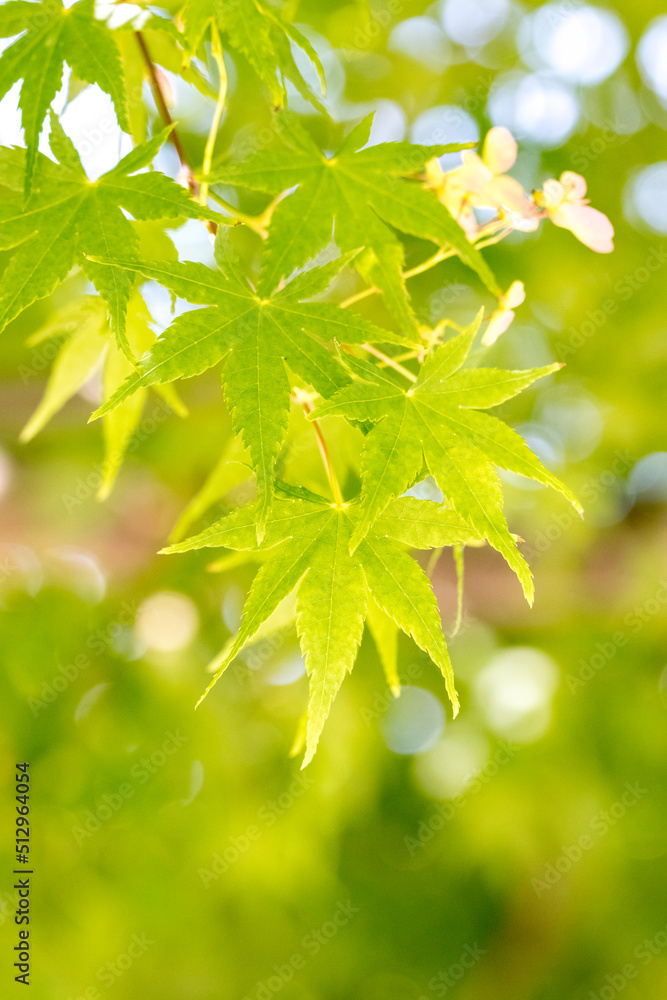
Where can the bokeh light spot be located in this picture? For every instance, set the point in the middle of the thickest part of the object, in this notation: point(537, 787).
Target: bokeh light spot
point(534, 107)
point(414, 722)
point(648, 479)
point(167, 621)
point(575, 417)
point(287, 670)
point(422, 40)
point(80, 572)
point(474, 22)
point(652, 56)
point(445, 123)
point(427, 489)
point(645, 197)
point(447, 769)
point(582, 44)
point(514, 692)
point(389, 123)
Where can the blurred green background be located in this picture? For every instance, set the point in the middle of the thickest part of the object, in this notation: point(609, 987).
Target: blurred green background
point(519, 852)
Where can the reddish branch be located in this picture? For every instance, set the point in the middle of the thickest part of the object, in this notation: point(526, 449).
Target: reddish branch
point(161, 103)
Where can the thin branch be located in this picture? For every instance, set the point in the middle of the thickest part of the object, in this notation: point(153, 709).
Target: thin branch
point(161, 103)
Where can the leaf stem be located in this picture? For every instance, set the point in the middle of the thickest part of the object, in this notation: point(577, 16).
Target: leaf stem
point(390, 361)
point(324, 451)
point(254, 222)
point(495, 239)
point(441, 254)
point(216, 50)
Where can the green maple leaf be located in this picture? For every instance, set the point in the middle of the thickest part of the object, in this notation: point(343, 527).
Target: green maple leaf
point(308, 541)
point(360, 194)
point(261, 35)
point(436, 421)
point(257, 334)
point(52, 34)
point(68, 219)
point(88, 347)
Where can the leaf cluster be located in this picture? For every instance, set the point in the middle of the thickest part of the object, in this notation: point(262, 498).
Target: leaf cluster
point(410, 399)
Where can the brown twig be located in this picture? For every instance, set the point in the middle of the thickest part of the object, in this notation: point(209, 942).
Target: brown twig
point(161, 103)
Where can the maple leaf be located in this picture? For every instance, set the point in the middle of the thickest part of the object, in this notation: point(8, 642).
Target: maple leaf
point(308, 540)
point(51, 34)
point(259, 33)
point(436, 421)
point(257, 334)
point(68, 219)
point(88, 347)
point(359, 194)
